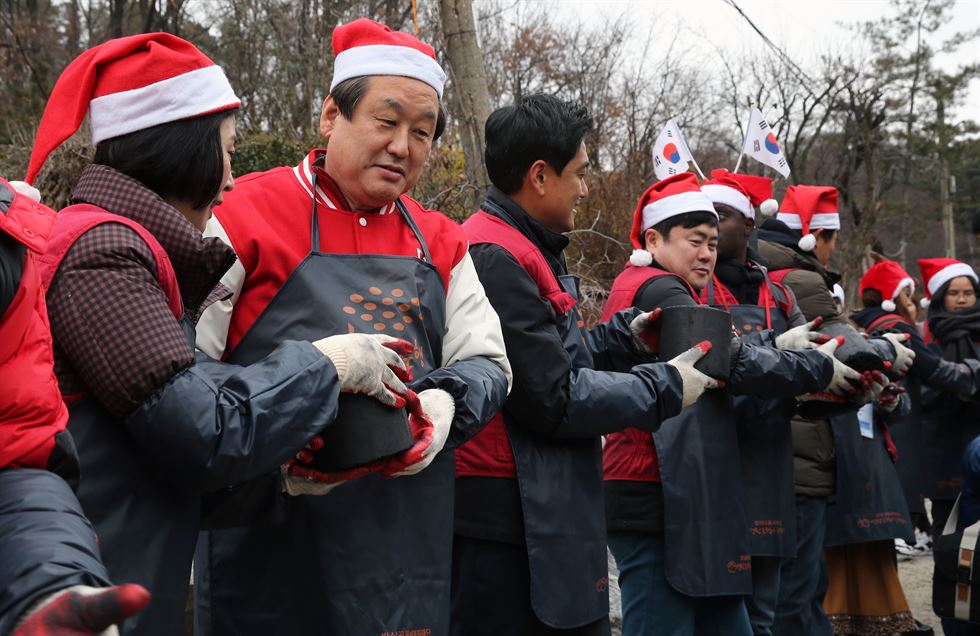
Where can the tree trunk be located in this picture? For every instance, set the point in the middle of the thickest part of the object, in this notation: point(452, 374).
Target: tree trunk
point(470, 95)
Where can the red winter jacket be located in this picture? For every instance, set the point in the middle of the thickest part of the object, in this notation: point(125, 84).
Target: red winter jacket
point(31, 409)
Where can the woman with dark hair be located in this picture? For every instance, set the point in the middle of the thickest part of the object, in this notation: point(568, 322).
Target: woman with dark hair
point(950, 421)
point(128, 274)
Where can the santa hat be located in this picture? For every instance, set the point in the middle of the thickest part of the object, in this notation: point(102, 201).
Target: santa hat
point(889, 279)
point(130, 84)
point(806, 208)
point(675, 195)
point(365, 47)
point(757, 189)
point(936, 272)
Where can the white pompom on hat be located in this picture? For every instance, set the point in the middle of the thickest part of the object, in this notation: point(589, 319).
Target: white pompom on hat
point(806, 208)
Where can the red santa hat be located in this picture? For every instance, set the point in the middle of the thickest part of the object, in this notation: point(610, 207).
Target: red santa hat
point(806, 208)
point(724, 190)
point(675, 195)
point(936, 272)
point(365, 47)
point(889, 279)
point(130, 84)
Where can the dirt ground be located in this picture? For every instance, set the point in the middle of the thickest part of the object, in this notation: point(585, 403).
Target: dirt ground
point(916, 575)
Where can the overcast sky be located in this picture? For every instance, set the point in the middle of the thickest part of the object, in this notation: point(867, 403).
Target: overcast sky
point(802, 28)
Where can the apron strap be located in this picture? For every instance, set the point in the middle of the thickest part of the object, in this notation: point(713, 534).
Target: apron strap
point(315, 226)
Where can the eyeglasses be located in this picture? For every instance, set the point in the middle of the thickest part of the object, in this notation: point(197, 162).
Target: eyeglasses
point(969, 293)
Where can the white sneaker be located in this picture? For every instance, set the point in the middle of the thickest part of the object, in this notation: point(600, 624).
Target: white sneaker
point(905, 549)
point(923, 543)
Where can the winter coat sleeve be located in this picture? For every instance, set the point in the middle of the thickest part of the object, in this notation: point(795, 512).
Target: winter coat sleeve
point(217, 424)
point(767, 372)
point(936, 372)
point(212, 423)
point(475, 369)
point(611, 343)
point(549, 396)
point(813, 297)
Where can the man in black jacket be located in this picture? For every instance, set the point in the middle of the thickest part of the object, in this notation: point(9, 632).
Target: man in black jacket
point(529, 554)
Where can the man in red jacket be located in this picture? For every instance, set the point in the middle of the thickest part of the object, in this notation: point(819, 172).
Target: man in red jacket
point(50, 572)
point(334, 246)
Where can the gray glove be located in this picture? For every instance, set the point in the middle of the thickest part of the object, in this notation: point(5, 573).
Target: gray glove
point(365, 365)
point(801, 337)
point(845, 379)
point(693, 382)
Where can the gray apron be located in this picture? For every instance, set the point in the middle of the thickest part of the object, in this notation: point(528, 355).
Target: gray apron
point(372, 556)
point(765, 443)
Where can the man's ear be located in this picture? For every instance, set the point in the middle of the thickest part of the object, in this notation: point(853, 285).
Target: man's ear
point(749, 226)
point(652, 238)
point(328, 117)
point(536, 177)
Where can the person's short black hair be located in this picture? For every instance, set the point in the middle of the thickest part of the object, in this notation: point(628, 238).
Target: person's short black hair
point(347, 93)
point(182, 159)
point(538, 127)
point(686, 221)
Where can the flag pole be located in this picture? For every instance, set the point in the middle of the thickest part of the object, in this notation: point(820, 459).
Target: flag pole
point(744, 136)
point(698, 168)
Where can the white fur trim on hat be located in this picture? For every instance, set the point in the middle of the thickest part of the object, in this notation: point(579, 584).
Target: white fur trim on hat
point(192, 94)
point(675, 204)
point(948, 273)
point(807, 243)
point(729, 196)
point(388, 59)
point(641, 258)
point(769, 207)
point(823, 221)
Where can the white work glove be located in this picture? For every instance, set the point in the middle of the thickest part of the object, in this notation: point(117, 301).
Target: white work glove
point(801, 337)
point(694, 382)
point(904, 356)
point(29, 191)
point(366, 365)
point(646, 331)
point(431, 418)
point(845, 379)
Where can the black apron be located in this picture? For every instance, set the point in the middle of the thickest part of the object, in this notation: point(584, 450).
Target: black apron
point(870, 502)
point(146, 524)
point(560, 482)
point(372, 556)
point(706, 541)
point(949, 424)
point(765, 443)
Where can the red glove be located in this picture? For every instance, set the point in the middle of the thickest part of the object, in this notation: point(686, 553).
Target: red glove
point(430, 415)
point(82, 610)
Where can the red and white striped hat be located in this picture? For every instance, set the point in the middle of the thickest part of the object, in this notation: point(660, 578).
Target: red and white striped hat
point(130, 84)
point(936, 272)
point(889, 279)
point(675, 195)
point(806, 208)
point(365, 47)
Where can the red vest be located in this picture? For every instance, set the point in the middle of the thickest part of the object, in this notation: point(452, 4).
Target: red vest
point(489, 453)
point(268, 221)
point(31, 409)
point(630, 455)
point(76, 220)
